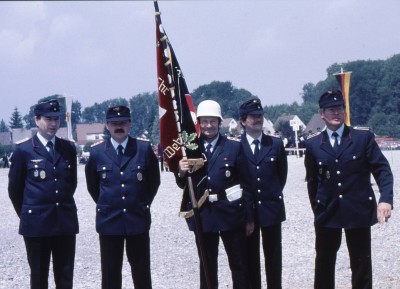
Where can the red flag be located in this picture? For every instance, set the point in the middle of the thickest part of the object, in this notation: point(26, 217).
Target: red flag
point(178, 123)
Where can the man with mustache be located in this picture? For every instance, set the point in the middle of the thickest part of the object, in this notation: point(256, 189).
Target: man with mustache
point(123, 177)
point(42, 183)
point(339, 162)
point(267, 164)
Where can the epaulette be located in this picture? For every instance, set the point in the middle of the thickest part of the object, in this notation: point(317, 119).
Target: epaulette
point(313, 135)
point(143, 139)
point(233, 138)
point(361, 128)
point(22, 140)
point(97, 143)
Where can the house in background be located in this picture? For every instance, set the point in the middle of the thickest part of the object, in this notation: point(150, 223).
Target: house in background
point(288, 118)
point(5, 138)
point(231, 125)
point(316, 124)
point(89, 132)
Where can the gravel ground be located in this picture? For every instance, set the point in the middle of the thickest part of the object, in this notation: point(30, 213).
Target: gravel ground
point(174, 258)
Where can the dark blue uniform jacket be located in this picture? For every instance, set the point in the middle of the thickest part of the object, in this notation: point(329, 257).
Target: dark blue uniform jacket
point(339, 185)
point(42, 191)
point(226, 168)
point(268, 178)
point(123, 192)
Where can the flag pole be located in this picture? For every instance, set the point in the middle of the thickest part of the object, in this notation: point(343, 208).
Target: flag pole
point(168, 63)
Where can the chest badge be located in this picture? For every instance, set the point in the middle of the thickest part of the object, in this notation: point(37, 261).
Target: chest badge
point(328, 175)
point(43, 174)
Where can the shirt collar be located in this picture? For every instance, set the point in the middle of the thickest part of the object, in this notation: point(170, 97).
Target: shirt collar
point(115, 144)
point(45, 141)
point(339, 131)
point(213, 143)
point(251, 139)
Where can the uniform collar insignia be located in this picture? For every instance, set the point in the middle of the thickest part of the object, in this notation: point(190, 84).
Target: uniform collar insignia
point(37, 161)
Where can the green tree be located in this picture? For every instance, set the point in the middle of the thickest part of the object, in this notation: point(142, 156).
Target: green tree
point(97, 112)
point(3, 126)
point(16, 119)
point(144, 110)
point(228, 97)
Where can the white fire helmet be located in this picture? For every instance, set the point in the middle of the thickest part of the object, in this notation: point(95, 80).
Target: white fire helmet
point(209, 108)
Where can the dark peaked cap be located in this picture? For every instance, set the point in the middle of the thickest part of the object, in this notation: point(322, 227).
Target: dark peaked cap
point(118, 113)
point(331, 98)
point(48, 108)
point(251, 106)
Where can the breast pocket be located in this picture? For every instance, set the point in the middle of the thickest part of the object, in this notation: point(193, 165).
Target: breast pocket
point(37, 170)
point(105, 172)
point(138, 172)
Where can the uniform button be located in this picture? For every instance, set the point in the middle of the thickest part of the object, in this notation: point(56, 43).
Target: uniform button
point(121, 173)
point(259, 202)
point(30, 211)
point(226, 165)
point(259, 190)
point(147, 206)
point(208, 178)
point(124, 210)
point(98, 210)
point(123, 197)
point(339, 184)
point(258, 179)
point(138, 167)
point(370, 198)
point(56, 191)
point(318, 201)
point(340, 196)
point(258, 167)
point(336, 161)
point(280, 197)
point(354, 157)
point(104, 168)
point(338, 172)
point(36, 166)
point(57, 204)
point(210, 190)
point(55, 180)
point(272, 159)
point(122, 185)
point(54, 168)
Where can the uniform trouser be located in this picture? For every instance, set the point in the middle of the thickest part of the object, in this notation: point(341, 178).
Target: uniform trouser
point(39, 251)
point(138, 254)
point(235, 246)
point(272, 247)
point(327, 244)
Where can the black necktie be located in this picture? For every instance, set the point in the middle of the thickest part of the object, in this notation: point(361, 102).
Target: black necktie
point(336, 143)
point(120, 152)
point(256, 148)
point(208, 151)
point(51, 149)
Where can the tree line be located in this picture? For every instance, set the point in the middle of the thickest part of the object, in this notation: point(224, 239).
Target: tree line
point(374, 101)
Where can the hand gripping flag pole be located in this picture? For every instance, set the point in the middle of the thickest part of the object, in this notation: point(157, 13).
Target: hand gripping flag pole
point(178, 124)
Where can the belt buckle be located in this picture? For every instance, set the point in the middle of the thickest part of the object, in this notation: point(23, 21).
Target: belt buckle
point(213, 198)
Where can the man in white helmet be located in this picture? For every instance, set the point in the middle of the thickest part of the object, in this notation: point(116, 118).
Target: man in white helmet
point(227, 213)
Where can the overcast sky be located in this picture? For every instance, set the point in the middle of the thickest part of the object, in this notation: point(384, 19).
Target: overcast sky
point(97, 50)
